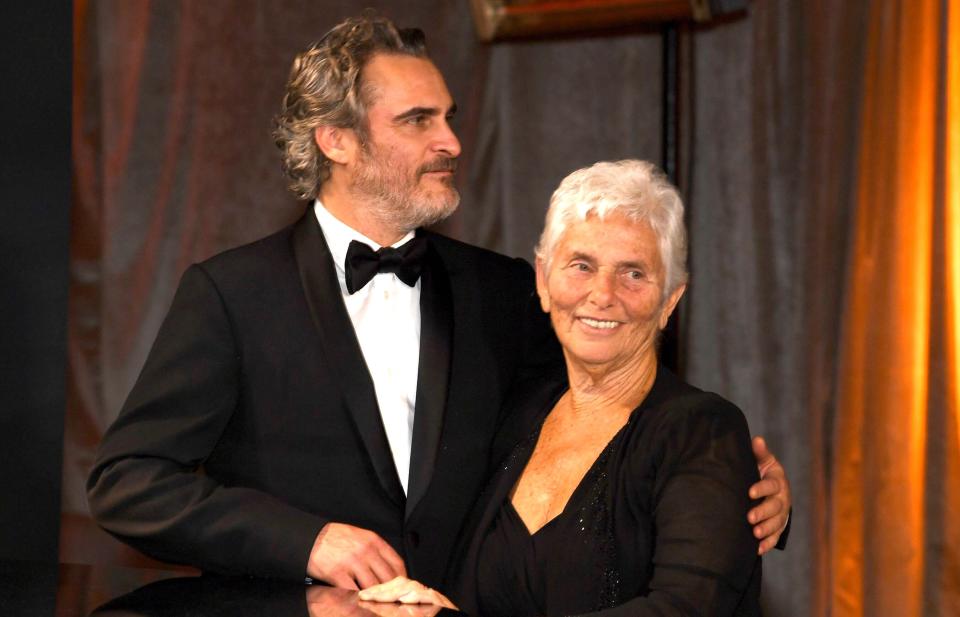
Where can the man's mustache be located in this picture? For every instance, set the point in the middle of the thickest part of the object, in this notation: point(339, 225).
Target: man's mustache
point(444, 163)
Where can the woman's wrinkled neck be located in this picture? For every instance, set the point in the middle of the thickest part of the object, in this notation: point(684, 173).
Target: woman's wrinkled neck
point(608, 387)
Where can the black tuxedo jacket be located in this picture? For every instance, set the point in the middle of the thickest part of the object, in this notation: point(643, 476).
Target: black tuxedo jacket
point(254, 421)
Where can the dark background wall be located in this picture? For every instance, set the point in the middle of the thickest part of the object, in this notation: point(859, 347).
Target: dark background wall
point(35, 73)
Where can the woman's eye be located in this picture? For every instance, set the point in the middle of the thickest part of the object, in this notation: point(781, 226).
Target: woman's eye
point(578, 267)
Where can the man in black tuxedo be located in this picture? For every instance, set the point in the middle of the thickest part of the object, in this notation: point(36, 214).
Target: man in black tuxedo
point(322, 402)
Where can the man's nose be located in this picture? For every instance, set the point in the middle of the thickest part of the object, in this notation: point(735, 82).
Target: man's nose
point(446, 140)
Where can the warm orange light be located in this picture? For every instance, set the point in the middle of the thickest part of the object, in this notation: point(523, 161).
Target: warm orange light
point(952, 216)
point(878, 512)
point(949, 576)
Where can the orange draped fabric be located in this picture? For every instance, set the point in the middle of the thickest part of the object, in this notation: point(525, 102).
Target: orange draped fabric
point(948, 574)
point(893, 520)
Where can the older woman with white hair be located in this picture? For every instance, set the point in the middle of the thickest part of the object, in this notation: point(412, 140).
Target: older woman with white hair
point(628, 494)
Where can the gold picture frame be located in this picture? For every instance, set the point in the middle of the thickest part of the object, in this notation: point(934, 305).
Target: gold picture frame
point(501, 19)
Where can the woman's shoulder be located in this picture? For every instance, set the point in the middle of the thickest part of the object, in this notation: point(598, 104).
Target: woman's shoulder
point(673, 402)
point(679, 422)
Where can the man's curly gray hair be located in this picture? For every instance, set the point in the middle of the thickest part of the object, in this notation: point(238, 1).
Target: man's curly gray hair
point(326, 88)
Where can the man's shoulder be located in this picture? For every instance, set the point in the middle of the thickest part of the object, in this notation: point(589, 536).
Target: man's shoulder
point(457, 253)
point(263, 255)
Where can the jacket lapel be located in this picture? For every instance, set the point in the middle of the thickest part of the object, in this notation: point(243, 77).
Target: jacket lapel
point(341, 349)
point(436, 336)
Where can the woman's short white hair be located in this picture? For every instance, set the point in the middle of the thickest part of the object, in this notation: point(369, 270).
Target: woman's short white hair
point(635, 189)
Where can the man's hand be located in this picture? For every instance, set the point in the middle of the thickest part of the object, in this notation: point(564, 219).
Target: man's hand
point(769, 519)
point(353, 558)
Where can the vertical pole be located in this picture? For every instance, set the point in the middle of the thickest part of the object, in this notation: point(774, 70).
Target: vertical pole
point(670, 341)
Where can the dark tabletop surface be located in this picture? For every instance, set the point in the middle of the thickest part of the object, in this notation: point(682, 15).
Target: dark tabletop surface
point(70, 590)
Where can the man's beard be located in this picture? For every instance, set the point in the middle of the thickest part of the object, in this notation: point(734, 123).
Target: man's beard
point(398, 200)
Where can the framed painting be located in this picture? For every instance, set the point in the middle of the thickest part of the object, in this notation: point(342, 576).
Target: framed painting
point(501, 19)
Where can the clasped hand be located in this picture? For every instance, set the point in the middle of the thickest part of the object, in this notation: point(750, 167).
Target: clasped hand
point(405, 591)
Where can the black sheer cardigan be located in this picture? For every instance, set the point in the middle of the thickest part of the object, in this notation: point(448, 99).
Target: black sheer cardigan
point(661, 525)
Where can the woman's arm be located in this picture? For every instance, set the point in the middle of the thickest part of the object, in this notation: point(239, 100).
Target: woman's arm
point(704, 560)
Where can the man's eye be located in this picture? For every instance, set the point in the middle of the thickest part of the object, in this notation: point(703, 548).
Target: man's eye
point(416, 120)
point(635, 275)
point(580, 266)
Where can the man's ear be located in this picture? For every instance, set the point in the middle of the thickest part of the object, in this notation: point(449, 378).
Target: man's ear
point(338, 145)
point(542, 285)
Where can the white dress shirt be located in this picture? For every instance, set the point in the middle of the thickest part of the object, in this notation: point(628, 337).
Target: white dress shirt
point(386, 318)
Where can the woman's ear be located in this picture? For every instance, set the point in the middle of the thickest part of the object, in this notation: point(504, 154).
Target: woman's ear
point(542, 285)
point(670, 304)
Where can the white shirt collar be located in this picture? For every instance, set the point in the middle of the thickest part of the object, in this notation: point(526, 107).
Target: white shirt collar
point(386, 320)
point(339, 235)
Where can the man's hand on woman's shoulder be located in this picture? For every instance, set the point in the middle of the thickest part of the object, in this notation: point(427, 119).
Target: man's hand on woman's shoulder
point(769, 519)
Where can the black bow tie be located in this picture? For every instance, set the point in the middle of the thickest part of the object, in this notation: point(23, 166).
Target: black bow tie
point(363, 263)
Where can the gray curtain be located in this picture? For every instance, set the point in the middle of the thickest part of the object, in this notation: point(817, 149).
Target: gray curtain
point(776, 109)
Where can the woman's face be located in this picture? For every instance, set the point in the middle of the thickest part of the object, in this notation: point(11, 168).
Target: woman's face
point(604, 291)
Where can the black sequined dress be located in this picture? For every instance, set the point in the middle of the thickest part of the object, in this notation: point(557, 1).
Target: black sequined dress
point(657, 525)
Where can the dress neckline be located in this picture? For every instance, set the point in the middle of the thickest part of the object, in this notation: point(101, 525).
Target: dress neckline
point(530, 444)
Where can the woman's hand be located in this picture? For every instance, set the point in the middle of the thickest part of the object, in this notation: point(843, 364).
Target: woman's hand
point(405, 591)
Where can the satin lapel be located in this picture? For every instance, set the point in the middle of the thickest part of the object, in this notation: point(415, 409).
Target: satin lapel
point(436, 338)
point(341, 349)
